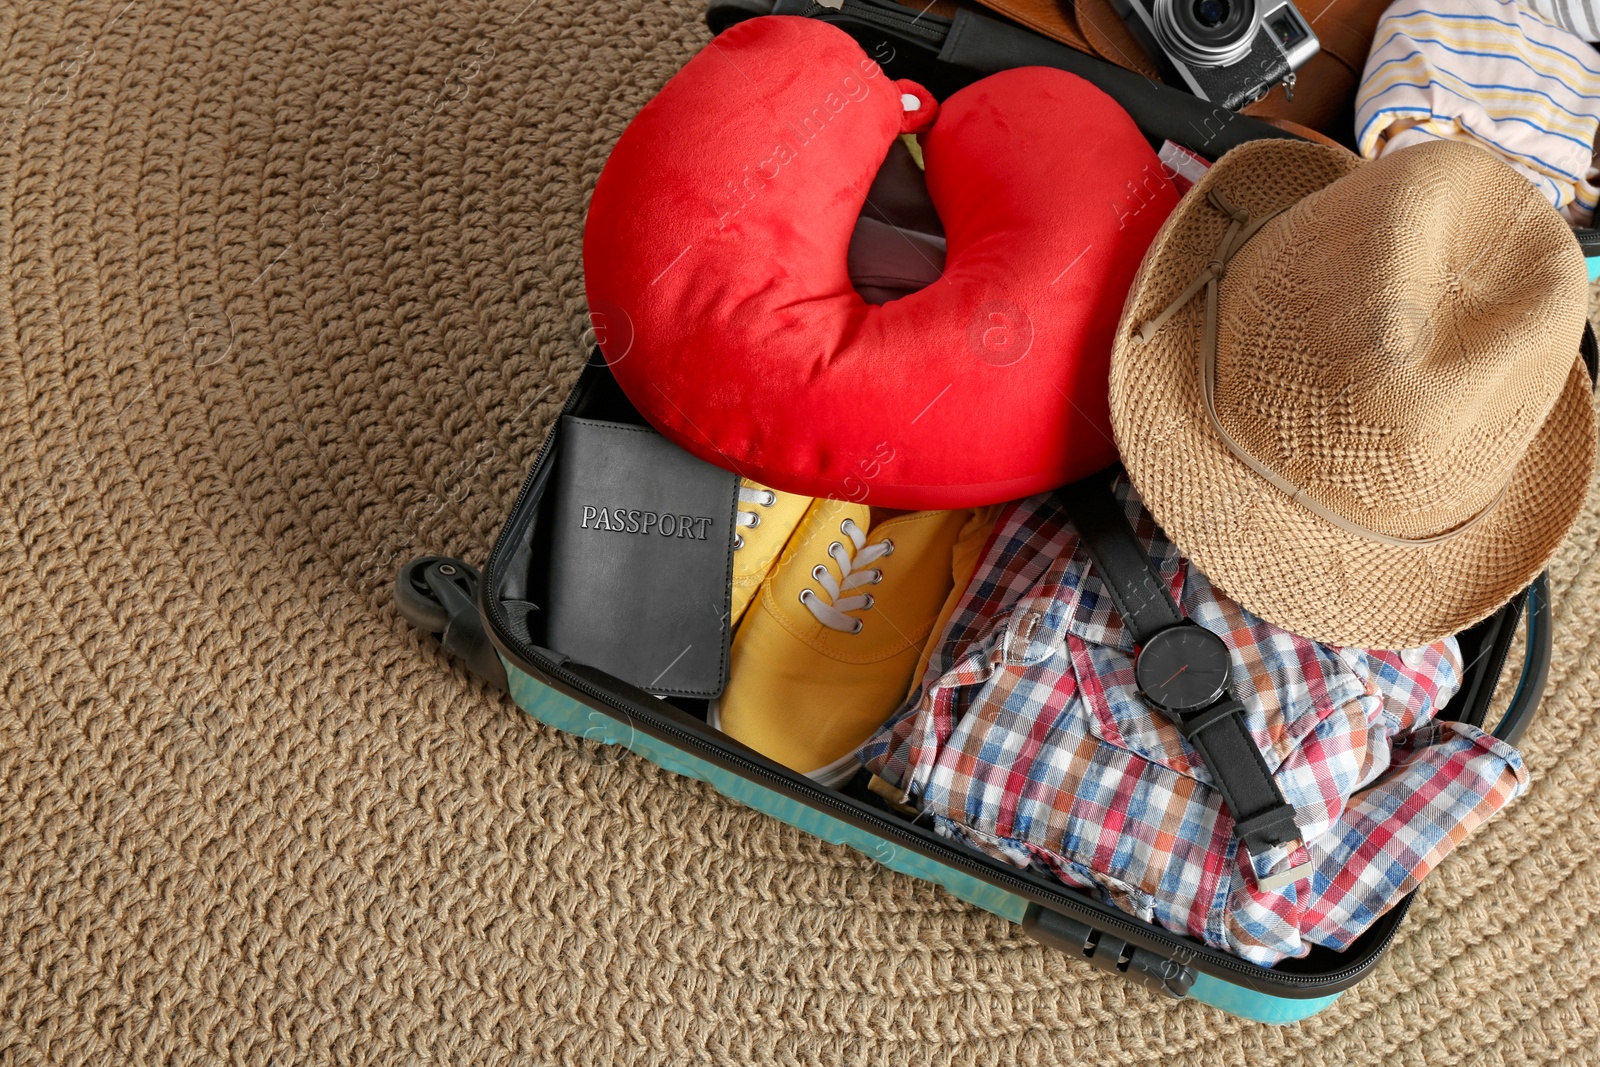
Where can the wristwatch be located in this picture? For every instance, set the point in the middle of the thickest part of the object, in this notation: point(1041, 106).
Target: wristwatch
point(1186, 671)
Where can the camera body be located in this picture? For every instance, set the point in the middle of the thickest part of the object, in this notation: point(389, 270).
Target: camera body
point(1230, 52)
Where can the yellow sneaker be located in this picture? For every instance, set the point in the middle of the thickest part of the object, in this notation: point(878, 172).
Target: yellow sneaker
point(765, 520)
point(827, 651)
point(963, 564)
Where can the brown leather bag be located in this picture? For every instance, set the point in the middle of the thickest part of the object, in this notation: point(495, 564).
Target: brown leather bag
point(1324, 89)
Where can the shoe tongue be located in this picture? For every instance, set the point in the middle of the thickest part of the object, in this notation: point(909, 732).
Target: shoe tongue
point(877, 516)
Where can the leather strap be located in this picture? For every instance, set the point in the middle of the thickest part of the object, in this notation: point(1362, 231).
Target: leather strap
point(1140, 596)
point(1262, 818)
point(980, 46)
point(1326, 84)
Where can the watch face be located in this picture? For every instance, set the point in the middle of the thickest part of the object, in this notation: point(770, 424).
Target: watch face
point(1183, 668)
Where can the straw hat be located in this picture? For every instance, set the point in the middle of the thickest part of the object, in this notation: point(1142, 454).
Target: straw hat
point(1401, 430)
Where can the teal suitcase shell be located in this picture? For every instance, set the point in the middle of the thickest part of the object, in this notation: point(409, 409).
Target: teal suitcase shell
point(490, 621)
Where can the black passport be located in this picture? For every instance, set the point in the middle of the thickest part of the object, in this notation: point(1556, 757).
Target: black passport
point(641, 558)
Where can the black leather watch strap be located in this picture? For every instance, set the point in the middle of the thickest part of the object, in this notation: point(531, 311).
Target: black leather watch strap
point(1262, 818)
point(1119, 558)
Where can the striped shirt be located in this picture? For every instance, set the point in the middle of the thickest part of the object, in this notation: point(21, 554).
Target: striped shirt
point(1577, 16)
point(1493, 73)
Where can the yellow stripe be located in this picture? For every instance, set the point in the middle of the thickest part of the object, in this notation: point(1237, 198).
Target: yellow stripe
point(1485, 36)
point(1460, 34)
point(1515, 104)
point(1567, 188)
point(1556, 66)
point(1566, 185)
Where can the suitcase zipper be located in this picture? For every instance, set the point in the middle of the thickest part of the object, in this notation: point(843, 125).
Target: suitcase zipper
point(956, 857)
point(1179, 951)
point(818, 796)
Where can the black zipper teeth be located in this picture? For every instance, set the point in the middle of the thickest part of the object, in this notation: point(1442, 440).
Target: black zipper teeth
point(980, 869)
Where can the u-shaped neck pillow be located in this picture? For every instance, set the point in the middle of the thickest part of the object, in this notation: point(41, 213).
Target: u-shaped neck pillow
point(715, 262)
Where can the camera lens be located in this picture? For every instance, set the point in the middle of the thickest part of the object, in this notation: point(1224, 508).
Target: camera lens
point(1207, 33)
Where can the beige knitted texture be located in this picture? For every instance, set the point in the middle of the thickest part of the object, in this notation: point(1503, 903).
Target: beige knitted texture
point(289, 293)
point(1393, 342)
point(1325, 406)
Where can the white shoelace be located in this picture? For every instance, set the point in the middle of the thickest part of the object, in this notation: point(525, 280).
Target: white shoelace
point(761, 497)
point(855, 570)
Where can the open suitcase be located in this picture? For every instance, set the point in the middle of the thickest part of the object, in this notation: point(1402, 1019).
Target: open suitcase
point(490, 620)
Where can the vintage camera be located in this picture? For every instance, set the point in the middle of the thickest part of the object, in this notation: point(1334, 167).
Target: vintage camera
point(1227, 51)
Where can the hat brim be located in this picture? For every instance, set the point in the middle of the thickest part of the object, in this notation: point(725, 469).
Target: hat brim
point(1273, 556)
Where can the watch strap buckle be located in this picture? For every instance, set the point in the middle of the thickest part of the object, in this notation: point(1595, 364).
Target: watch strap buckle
point(1285, 874)
point(1263, 818)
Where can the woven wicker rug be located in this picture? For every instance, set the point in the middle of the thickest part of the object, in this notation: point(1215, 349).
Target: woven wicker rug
point(289, 292)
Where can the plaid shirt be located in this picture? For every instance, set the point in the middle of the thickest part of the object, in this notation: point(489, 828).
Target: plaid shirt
point(1027, 738)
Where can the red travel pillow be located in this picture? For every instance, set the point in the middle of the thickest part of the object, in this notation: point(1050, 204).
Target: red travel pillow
point(715, 260)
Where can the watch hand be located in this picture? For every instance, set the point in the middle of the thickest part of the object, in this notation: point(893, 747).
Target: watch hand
point(1175, 674)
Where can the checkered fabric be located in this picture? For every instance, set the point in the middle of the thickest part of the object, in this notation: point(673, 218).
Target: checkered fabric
point(1028, 739)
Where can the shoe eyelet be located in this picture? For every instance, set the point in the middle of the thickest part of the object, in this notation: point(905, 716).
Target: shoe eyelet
point(857, 628)
point(834, 547)
point(807, 593)
point(877, 576)
point(888, 547)
point(755, 520)
point(818, 572)
point(771, 499)
point(738, 542)
point(844, 527)
point(871, 603)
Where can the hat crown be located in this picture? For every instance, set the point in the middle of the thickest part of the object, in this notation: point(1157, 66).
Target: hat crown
point(1392, 343)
